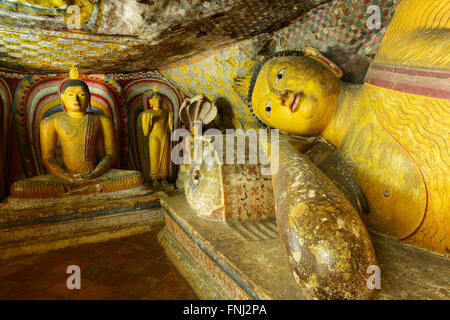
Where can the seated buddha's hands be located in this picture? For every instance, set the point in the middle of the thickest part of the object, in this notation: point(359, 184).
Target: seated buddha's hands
point(75, 177)
point(103, 166)
point(90, 175)
point(55, 168)
point(82, 177)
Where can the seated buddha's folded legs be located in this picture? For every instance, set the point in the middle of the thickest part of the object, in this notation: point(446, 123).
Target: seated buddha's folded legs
point(46, 186)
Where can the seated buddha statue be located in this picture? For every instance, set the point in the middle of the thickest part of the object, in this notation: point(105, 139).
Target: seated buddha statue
point(157, 123)
point(88, 149)
point(391, 134)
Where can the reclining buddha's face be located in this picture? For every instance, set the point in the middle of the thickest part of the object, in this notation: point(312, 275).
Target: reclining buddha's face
point(295, 94)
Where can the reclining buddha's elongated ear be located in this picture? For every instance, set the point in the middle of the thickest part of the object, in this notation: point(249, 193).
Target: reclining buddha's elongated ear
point(316, 55)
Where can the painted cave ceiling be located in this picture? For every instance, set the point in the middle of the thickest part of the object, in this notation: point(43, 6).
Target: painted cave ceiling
point(108, 36)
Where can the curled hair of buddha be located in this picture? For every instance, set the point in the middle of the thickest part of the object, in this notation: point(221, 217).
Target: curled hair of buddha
point(75, 83)
point(156, 94)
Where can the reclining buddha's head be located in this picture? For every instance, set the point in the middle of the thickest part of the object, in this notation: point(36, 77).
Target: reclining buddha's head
point(295, 93)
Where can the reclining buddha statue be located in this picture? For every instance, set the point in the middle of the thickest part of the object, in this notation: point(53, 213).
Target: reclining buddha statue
point(390, 147)
point(391, 135)
point(88, 150)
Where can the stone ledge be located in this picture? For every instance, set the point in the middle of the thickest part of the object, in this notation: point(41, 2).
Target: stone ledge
point(13, 205)
point(259, 270)
point(14, 249)
point(242, 269)
point(75, 207)
point(192, 271)
point(77, 220)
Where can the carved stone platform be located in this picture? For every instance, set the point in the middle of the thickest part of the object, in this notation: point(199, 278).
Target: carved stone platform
point(221, 264)
point(29, 226)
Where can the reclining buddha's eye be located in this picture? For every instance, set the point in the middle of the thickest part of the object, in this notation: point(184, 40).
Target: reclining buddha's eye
point(268, 107)
point(279, 75)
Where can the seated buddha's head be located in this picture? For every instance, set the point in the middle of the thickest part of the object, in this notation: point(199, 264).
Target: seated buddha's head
point(295, 93)
point(75, 93)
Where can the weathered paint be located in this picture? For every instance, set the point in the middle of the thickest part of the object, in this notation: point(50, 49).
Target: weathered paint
point(327, 244)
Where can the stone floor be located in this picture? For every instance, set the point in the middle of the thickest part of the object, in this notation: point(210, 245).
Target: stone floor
point(134, 267)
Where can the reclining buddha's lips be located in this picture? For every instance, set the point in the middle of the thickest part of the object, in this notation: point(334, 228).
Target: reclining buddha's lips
point(294, 103)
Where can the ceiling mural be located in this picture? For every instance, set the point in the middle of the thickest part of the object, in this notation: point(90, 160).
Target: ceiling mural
point(106, 36)
point(50, 14)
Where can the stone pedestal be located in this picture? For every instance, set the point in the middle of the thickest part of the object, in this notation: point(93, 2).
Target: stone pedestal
point(29, 226)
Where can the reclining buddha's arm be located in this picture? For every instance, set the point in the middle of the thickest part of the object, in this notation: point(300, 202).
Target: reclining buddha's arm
point(48, 150)
point(327, 244)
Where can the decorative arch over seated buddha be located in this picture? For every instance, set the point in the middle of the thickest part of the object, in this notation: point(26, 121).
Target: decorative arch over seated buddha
point(89, 150)
point(137, 94)
point(38, 96)
point(5, 134)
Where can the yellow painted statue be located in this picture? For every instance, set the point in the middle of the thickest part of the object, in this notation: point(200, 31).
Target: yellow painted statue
point(392, 133)
point(157, 123)
point(88, 144)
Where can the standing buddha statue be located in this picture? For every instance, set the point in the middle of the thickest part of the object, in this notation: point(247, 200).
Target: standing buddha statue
point(157, 123)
